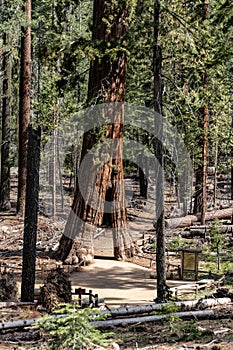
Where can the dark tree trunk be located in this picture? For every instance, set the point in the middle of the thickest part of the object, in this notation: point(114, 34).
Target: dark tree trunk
point(6, 120)
point(204, 157)
point(24, 109)
point(142, 183)
point(142, 166)
point(232, 164)
point(106, 84)
point(159, 153)
point(232, 179)
point(200, 203)
point(31, 214)
point(200, 199)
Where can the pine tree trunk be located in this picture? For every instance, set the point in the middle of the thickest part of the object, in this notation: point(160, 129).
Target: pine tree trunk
point(142, 183)
point(6, 124)
point(31, 214)
point(53, 169)
point(200, 204)
point(159, 153)
point(142, 166)
point(106, 84)
point(215, 174)
point(232, 170)
point(204, 158)
point(24, 109)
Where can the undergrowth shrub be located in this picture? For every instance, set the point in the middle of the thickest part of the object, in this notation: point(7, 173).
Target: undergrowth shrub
point(72, 329)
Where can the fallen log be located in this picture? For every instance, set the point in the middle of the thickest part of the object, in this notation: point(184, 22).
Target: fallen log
point(184, 221)
point(187, 315)
point(16, 304)
point(219, 214)
point(19, 323)
point(183, 305)
point(206, 303)
point(188, 220)
point(202, 232)
point(225, 227)
point(190, 304)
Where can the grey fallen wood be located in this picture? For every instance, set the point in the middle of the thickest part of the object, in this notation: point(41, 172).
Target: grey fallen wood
point(18, 323)
point(135, 310)
point(188, 220)
point(204, 232)
point(16, 303)
point(26, 322)
point(184, 315)
point(187, 305)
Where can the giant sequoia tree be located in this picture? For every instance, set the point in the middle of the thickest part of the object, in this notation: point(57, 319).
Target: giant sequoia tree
point(105, 184)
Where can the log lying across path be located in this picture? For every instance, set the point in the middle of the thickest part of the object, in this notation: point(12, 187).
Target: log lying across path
point(188, 220)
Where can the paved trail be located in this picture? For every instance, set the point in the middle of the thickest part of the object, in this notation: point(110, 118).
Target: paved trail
point(119, 283)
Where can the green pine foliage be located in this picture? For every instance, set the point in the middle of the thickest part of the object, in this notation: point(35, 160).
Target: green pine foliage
point(140, 59)
point(62, 38)
point(63, 48)
point(190, 44)
point(73, 329)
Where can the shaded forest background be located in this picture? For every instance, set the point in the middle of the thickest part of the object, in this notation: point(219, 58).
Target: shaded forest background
point(47, 54)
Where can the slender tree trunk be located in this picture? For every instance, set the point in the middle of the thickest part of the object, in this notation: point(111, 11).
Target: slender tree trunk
point(6, 124)
point(201, 174)
point(215, 174)
point(141, 168)
point(31, 215)
point(204, 158)
point(159, 152)
point(24, 109)
point(205, 113)
point(106, 83)
point(53, 174)
point(142, 182)
point(232, 164)
point(232, 179)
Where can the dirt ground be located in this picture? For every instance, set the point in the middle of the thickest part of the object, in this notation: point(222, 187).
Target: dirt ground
point(117, 283)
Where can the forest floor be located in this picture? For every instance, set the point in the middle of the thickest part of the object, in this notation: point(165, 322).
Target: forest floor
point(118, 283)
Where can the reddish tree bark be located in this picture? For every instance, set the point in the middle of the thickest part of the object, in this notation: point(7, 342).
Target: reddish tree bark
point(105, 184)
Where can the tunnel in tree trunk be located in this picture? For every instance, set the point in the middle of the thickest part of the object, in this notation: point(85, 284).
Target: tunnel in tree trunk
point(99, 193)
